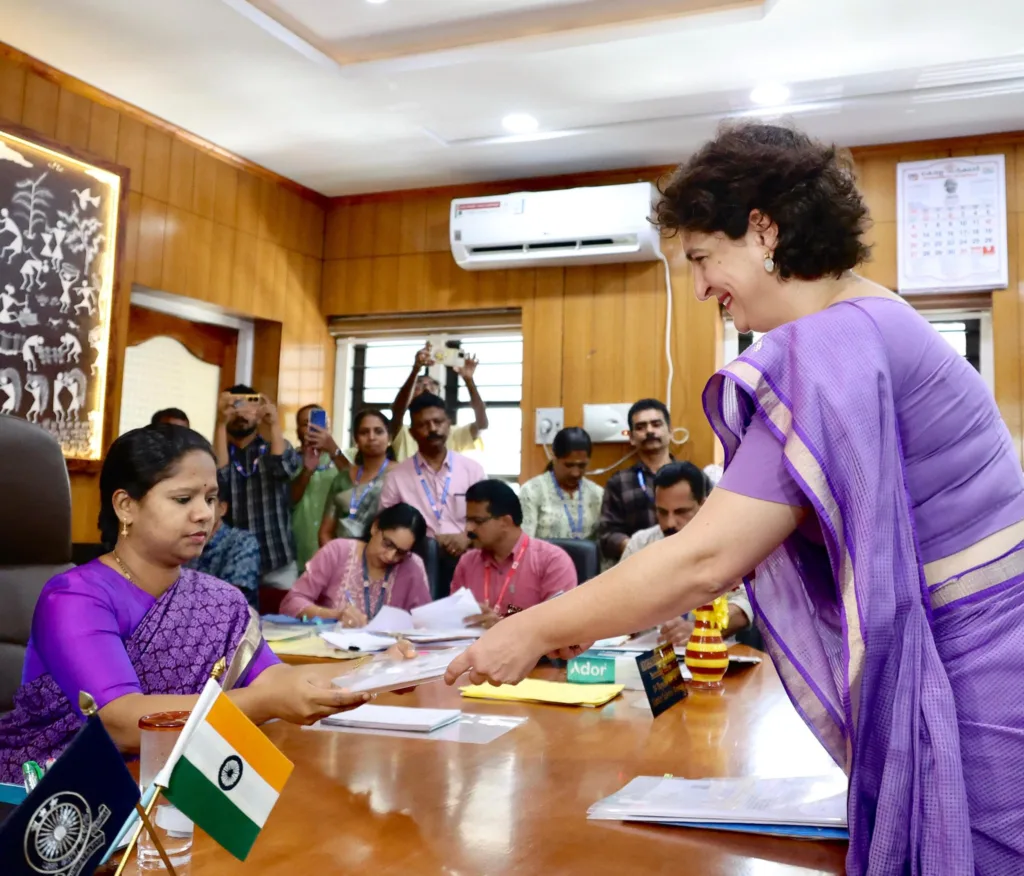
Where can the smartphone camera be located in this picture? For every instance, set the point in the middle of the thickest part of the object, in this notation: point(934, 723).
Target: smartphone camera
point(318, 418)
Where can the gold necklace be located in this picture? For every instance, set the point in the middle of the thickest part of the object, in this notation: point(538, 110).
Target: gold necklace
point(124, 569)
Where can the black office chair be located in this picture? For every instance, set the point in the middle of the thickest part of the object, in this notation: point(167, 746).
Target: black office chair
point(428, 552)
point(585, 556)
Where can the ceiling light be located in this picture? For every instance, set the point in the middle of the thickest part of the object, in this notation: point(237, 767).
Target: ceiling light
point(770, 94)
point(520, 123)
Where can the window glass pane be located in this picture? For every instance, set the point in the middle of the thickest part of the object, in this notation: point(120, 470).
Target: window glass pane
point(493, 393)
point(393, 353)
point(497, 351)
point(503, 440)
point(955, 334)
point(488, 374)
point(387, 377)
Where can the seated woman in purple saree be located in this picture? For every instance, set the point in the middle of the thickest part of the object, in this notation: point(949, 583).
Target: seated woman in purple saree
point(138, 632)
point(875, 491)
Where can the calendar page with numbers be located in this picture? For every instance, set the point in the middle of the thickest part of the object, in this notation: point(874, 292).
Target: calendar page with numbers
point(951, 224)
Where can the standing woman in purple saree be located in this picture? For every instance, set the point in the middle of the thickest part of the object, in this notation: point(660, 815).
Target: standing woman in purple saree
point(874, 488)
point(139, 633)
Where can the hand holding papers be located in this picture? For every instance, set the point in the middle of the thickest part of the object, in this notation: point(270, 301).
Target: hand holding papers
point(384, 675)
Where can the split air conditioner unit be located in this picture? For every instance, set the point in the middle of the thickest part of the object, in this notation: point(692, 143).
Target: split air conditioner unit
point(585, 226)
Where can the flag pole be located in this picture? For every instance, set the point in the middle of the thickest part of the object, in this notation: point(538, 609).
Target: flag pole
point(88, 707)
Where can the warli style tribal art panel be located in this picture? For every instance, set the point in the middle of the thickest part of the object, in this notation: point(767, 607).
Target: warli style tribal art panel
point(58, 233)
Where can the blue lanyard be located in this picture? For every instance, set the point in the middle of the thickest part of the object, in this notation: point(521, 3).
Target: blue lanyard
point(577, 529)
point(356, 499)
point(366, 589)
point(643, 482)
point(438, 511)
point(233, 454)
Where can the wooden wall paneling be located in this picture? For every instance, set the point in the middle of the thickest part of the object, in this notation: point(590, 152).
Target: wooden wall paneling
point(178, 235)
point(156, 172)
point(543, 339)
point(276, 305)
point(152, 227)
point(642, 299)
point(222, 255)
point(411, 282)
point(360, 286)
point(268, 216)
point(201, 260)
point(181, 175)
point(131, 150)
point(336, 232)
point(266, 359)
point(440, 269)
point(266, 263)
point(12, 91)
point(73, 113)
point(85, 505)
point(608, 315)
point(490, 290)
point(41, 99)
point(438, 209)
point(335, 287)
point(462, 287)
point(387, 228)
point(384, 292)
point(247, 211)
point(131, 240)
point(104, 124)
point(243, 274)
point(362, 224)
point(204, 184)
point(225, 204)
point(577, 344)
point(412, 226)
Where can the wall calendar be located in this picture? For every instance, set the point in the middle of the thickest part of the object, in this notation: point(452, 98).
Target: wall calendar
point(951, 224)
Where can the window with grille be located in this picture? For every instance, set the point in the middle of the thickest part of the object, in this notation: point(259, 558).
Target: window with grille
point(379, 367)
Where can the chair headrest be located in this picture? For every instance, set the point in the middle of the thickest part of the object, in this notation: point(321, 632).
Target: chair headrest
point(35, 496)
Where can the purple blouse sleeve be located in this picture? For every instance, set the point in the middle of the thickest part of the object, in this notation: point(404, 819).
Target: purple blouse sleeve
point(757, 470)
point(264, 659)
point(324, 568)
point(75, 632)
point(415, 591)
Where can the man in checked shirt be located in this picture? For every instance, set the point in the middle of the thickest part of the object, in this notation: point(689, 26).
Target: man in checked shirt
point(628, 504)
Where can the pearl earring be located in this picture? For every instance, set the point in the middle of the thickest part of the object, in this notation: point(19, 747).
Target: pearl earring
point(769, 263)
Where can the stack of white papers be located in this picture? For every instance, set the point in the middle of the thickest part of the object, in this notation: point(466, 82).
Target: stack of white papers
point(378, 676)
point(813, 807)
point(371, 717)
point(449, 613)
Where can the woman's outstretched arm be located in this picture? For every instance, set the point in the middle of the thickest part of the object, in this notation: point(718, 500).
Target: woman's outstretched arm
point(730, 535)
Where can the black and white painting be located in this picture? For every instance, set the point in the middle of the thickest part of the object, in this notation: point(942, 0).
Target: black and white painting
point(58, 231)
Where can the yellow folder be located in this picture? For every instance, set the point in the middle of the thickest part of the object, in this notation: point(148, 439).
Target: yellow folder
point(559, 693)
point(311, 645)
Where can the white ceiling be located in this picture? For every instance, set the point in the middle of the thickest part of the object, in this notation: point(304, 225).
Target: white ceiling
point(346, 96)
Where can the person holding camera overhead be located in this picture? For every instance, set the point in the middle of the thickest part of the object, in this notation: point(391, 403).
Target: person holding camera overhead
point(258, 464)
point(323, 463)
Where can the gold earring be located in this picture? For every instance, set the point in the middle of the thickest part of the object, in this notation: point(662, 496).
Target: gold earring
point(769, 262)
point(124, 529)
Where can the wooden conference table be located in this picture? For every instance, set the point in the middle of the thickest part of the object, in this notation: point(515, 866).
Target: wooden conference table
point(361, 804)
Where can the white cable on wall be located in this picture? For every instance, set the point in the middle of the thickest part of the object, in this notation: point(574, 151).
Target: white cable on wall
point(668, 332)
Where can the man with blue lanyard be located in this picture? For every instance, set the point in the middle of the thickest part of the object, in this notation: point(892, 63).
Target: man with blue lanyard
point(434, 481)
point(628, 504)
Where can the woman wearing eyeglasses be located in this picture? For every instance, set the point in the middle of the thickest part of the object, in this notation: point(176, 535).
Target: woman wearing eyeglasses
point(562, 503)
point(350, 580)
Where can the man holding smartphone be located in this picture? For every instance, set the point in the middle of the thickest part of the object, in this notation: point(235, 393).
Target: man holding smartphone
point(461, 438)
point(312, 485)
point(258, 465)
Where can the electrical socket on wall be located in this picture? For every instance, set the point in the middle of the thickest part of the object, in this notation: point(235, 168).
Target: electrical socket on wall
point(548, 422)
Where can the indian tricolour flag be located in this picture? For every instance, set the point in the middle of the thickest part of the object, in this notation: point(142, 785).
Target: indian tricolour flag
point(224, 773)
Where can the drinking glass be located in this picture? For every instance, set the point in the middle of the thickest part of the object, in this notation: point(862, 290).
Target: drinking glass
point(158, 733)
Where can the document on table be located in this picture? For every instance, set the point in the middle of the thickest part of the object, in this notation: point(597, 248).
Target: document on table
point(449, 613)
point(357, 640)
point(748, 803)
point(558, 693)
point(373, 717)
point(378, 676)
point(389, 620)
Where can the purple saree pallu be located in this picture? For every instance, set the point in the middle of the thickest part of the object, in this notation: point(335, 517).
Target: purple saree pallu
point(909, 683)
point(194, 624)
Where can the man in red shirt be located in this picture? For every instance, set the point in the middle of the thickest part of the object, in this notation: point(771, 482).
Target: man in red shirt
point(507, 571)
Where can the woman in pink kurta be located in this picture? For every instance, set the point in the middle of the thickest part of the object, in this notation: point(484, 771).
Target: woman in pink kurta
point(351, 580)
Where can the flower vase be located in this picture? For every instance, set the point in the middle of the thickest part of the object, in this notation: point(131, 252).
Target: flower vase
point(707, 657)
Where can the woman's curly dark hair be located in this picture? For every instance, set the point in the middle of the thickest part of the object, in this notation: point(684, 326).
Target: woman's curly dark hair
point(805, 187)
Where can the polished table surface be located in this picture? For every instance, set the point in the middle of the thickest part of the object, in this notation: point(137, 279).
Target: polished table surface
point(377, 805)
